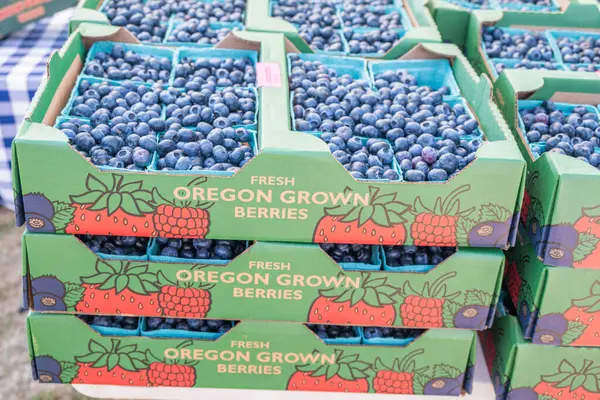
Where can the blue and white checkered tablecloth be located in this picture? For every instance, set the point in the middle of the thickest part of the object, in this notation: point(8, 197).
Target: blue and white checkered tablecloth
point(23, 57)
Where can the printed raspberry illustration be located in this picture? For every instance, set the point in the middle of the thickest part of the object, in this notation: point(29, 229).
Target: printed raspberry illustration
point(119, 288)
point(437, 226)
point(183, 302)
point(179, 221)
point(348, 374)
point(380, 222)
point(118, 208)
point(371, 304)
point(571, 382)
point(161, 374)
point(115, 364)
point(425, 309)
point(398, 379)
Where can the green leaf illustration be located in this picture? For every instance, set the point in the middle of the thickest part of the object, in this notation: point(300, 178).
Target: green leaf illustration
point(69, 371)
point(587, 244)
point(494, 212)
point(63, 215)
point(574, 330)
point(449, 311)
point(73, 294)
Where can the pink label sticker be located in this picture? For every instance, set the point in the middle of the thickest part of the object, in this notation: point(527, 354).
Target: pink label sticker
point(268, 74)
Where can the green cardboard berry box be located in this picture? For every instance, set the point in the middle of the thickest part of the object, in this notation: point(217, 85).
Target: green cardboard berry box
point(252, 355)
point(522, 370)
point(14, 14)
point(452, 17)
point(554, 305)
point(269, 282)
point(258, 18)
point(583, 18)
point(271, 198)
point(560, 210)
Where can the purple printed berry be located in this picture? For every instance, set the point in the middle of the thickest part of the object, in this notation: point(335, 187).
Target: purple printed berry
point(443, 386)
point(523, 393)
point(48, 294)
point(489, 234)
point(472, 317)
point(46, 369)
point(39, 212)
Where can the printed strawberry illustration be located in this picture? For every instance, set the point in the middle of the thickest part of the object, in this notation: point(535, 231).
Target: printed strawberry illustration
point(370, 304)
point(348, 374)
point(120, 288)
point(571, 382)
point(380, 222)
point(588, 226)
point(112, 365)
point(400, 377)
point(182, 220)
point(192, 301)
point(437, 226)
point(42, 215)
point(167, 373)
point(584, 318)
point(529, 184)
point(424, 309)
point(117, 208)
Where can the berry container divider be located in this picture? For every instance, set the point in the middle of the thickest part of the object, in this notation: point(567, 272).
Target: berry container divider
point(143, 50)
point(375, 265)
point(153, 254)
point(111, 331)
point(417, 268)
point(174, 22)
point(524, 7)
point(179, 333)
point(433, 73)
point(388, 341)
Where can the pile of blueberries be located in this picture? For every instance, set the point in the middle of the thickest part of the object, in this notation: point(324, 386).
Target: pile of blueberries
point(579, 50)
point(200, 124)
point(182, 324)
point(116, 245)
point(575, 133)
point(350, 253)
point(192, 21)
point(325, 25)
point(191, 74)
point(372, 332)
point(526, 64)
point(525, 5)
point(203, 249)
point(530, 45)
point(119, 64)
point(334, 331)
point(399, 130)
point(120, 322)
point(400, 256)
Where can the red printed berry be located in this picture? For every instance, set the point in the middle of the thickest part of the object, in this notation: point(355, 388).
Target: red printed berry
point(119, 208)
point(399, 379)
point(119, 288)
point(379, 222)
point(161, 374)
point(437, 226)
point(370, 304)
point(425, 309)
point(515, 280)
point(348, 374)
point(184, 302)
point(571, 383)
point(181, 222)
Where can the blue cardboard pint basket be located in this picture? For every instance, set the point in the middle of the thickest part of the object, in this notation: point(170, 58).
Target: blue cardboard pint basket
point(179, 333)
